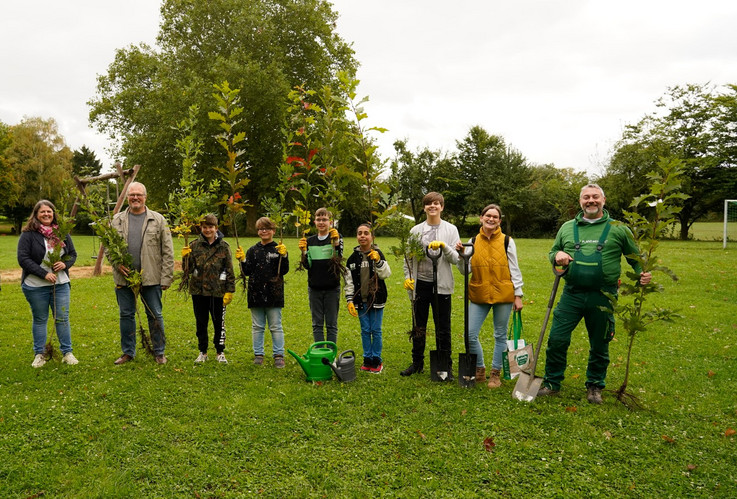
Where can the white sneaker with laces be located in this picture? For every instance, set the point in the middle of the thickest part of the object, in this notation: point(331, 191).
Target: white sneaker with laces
point(202, 357)
point(221, 358)
point(39, 360)
point(70, 359)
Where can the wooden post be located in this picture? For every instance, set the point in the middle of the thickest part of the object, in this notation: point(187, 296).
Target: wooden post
point(121, 174)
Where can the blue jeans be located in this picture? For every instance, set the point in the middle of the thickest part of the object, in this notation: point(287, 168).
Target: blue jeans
point(476, 316)
point(370, 330)
point(151, 299)
point(259, 316)
point(41, 300)
point(324, 308)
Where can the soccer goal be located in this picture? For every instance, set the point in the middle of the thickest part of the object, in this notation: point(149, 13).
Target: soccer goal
point(730, 221)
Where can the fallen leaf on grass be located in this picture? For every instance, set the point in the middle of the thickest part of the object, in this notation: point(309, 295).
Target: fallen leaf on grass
point(179, 370)
point(489, 444)
point(421, 434)
point(573, 408)
point(730, 432)
point(668, 439)
point(608, 435)
point(632, 487)
point(576, 376)
point(463, 412)
point(711, 373)
point(691, 467)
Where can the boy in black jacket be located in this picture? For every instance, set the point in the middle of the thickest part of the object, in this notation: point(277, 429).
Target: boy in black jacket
point(265, 264)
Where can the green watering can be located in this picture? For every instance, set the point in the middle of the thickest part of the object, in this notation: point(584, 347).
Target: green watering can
point(312, 363)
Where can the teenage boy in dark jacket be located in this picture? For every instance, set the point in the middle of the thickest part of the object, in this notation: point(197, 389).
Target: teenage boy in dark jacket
point(265, 264)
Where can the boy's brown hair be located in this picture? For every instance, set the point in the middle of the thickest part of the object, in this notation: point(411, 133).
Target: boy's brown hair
point(323, 212)
point(210, 219)
point(265, 223)
point(431, 197)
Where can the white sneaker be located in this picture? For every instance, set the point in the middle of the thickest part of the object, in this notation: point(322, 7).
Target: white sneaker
point(221, 358)
point(39, 360)
point(70, 359)
point(202, 357)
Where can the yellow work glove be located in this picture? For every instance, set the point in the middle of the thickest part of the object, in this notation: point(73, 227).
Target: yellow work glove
point(240, 255)
point(302, 244)
point(436, 245)
point(281, 249)
point(352, 309)
point(334, 234)
point(227, 298)
point(186, 251)
point(374, 255)
point(409, 284)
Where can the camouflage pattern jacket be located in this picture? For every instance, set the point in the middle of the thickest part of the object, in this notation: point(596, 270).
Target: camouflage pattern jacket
point(210, 267)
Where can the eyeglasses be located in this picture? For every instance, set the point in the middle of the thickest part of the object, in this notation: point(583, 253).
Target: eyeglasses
point(264, 230)
point(136, 195)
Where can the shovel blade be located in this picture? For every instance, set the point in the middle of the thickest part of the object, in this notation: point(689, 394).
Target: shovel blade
point(467, 370)
point(527, 387)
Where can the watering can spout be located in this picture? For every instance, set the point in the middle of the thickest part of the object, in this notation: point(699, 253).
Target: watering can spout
point(300, 360)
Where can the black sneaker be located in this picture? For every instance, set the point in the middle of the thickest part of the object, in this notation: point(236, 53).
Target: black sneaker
point(412, 369)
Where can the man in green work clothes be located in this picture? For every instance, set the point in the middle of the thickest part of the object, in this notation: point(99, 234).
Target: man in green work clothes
point(591, 246)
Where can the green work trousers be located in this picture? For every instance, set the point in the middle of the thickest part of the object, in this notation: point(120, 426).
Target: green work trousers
point(572, 307)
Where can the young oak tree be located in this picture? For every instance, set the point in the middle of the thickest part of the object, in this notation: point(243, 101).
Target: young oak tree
point(656, 212)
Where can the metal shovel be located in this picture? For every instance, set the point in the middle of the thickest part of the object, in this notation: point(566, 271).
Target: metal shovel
point(528, 384)
point(466, 361)
point(439, 359)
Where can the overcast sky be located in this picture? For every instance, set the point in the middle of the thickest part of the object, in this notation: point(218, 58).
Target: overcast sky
point(557, 79)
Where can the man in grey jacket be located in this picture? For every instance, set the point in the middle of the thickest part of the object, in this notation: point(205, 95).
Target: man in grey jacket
point(150, 244)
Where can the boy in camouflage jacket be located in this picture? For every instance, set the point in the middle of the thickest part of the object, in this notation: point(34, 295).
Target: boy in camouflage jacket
point(211, 284)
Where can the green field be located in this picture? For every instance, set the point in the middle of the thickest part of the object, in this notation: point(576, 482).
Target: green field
point(180, 430)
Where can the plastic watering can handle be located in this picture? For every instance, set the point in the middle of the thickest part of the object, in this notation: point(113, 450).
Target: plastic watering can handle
point(328, 344)
point(343, 354)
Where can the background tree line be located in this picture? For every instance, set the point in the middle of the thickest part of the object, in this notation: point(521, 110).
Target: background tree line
point(269, 48)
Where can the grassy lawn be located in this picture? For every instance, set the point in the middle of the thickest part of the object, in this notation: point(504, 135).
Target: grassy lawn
point(180, 430)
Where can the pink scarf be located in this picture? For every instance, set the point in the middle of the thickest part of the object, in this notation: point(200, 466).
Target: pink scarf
point(48, 232)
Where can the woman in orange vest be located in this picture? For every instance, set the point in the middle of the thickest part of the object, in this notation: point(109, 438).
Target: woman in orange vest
point(495, 284)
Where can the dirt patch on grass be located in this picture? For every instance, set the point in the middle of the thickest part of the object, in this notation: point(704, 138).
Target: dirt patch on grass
point(13, 275)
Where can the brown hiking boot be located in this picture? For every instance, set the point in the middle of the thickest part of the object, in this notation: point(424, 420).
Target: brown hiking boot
point(481, 375)
point(494, 381)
